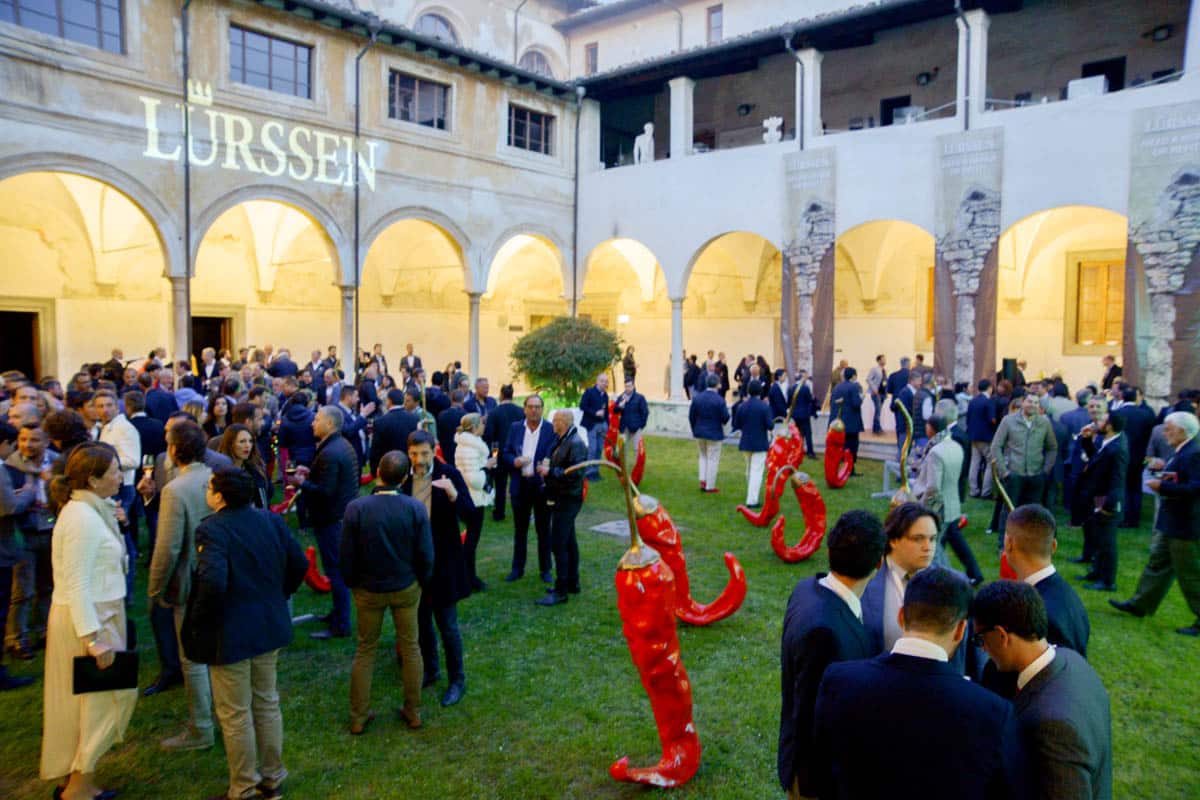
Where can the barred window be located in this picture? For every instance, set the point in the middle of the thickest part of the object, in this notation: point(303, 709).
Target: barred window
point(530, 130)
point(268, 62)
point(418, 100)
point(95, 23)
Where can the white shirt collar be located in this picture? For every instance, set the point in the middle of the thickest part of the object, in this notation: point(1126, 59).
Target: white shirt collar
point(841, 590)
point(919, 648)
point(1038, 664)
point(1033, 579)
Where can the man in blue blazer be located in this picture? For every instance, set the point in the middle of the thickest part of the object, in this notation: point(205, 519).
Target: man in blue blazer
point(877, 721)
point(529, 443)
point(1100, 494)
point(777, 396)
point(823, 625)
point(804, 408)
point(846, 404)
point(981, 427)
point(755, 422)
point(634, 413)
point(594, 421)
point(707, 416)
point(1029, 541)
point(1062, 708)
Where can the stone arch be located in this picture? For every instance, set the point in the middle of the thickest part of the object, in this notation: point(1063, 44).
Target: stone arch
point(679, 289)
point(161, 220)
point(448, 226)
point(557, 68)
point(457, 21)
point(544, 232)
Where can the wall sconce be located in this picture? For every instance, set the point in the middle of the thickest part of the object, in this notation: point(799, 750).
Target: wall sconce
point(1161, 33)
point(744, 109)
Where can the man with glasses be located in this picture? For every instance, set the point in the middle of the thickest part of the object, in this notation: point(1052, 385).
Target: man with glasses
point(529, 443)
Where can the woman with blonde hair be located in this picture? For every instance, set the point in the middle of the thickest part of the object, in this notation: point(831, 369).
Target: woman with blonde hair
point(87, 618)
point(195, 410)
point(473, 459)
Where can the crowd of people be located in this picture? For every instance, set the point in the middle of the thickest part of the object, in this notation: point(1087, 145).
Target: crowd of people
point(194, 454)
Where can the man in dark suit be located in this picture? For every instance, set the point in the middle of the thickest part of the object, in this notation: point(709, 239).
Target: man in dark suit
point(846, 405)
point(329, 485)
point(1139, 424)
point(634, 413)
point(393, 428)
point(1175, 547)
point(436, 398)
point(330, 389)
point(499, 422)
point(410, 361)
point(447, 424)
point(153, 437)
point(564, 497)
point(593, 407)
point(876, 719)
point(479, 402)
point(752, 418)
point(283, 366)
point(442, 490)
point(1074, 421)
point(898, 379)
point(353, 423)
point(528, 444)
point(823, 625)
point(1111, 372)
point(1100, 493)
point(1061, 705)
point(707, 417)
point(981, 427)
point(804, 408)
point(907, 397)
point(247, 565)
point(160, 402)
point(777, 396)
point(368, 388)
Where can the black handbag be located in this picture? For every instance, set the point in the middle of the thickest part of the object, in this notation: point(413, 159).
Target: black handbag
point(121, 674)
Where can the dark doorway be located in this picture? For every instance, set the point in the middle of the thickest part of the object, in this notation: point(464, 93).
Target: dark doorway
point(210, 332)
point(19, 332)
point(888, 106)
point(1111, 68)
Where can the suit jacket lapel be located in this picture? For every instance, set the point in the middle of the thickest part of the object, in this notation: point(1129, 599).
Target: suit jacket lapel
point(1038, 683)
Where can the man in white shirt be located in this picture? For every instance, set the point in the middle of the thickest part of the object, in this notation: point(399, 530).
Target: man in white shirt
point(119, 432)
point(527, 444)
point(1062, 707)
point(911, 543)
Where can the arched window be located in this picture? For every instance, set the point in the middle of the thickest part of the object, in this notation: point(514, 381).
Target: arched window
point(537, 63)
point(437, 27)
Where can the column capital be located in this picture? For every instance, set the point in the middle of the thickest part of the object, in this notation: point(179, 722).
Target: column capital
point(977, 19)
point(681, 83)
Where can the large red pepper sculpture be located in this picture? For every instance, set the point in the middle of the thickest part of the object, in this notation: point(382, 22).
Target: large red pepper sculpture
point(1006, 570)
point(785, 452)
point(812, 506)
point(313, 577)
point(610, 442)
point(658, 530)
point(646, 601)
point(839, 462)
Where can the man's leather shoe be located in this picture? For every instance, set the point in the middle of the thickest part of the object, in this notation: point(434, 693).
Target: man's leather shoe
point(1100, 586)
point(187, 740)
point(575, 589)
point(552, 598)
point(1080, 560)
point(1127, 607)
point(430, 680)
point(411, 718)
point(329, 633)
point(1086, 578)
point(478, 585)
point(270, 792)
point(547, 577)
point(1190, 630)
point(713, 490)
point(454, 693)
point(22, 651)
point(12, 681)
point(513, 576)
point(359, 730)
point(162, 684)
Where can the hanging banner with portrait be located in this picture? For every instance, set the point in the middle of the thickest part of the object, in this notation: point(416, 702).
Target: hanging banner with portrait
point(1161, 332)
point(967, 233)
point(806, 323)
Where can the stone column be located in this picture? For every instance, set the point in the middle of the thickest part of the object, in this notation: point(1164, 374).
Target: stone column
point(964, 251)
point(977, 24)
point(589, 137)
point(473, 365)
point(676, 388)
point(346, 344)
point(804, 259)
point(808, 97)
point(682, 116)
point(181, 317)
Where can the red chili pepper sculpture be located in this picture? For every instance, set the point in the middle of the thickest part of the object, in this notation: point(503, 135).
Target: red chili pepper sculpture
point(812, 506)
point(658, 530)
point(785, 451)
point(315, 580)
point(839, 462)
point(1006, 571)
point(610, 441)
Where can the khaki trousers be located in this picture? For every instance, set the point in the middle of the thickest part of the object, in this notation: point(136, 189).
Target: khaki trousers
point(755, 464)
point(371, 607)
point(251, 723)
point(708, 462)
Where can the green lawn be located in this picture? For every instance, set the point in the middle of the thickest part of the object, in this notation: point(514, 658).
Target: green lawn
point(553, 698)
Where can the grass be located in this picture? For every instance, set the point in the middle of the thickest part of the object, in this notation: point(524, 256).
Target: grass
point(553, 698)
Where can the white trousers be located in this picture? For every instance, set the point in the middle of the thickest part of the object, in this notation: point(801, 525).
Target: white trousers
point(755, 464)
point(709, 460)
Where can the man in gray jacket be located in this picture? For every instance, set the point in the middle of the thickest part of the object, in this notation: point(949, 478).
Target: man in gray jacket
point(1063, 712)
point(1023, 451)
point(182, 507)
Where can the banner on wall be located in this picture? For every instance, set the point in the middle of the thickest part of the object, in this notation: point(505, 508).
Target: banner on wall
point(969, 170)
point(1162, 276)
point(806, 323)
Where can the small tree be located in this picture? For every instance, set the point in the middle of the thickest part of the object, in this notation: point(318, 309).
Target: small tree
point(564, 356)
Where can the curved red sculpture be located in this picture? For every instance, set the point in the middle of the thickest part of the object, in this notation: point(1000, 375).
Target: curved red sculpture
point(812, 506)
point(785, 452)
point(839, 462)
point(658, 530)
point(610, 441)
point(313, 577)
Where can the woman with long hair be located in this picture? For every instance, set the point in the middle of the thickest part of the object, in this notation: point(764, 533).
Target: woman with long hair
point(238, 443)
point(87, 619)
point(196, 411)
point(629, 364)
point(217, 419)
point(473, 459)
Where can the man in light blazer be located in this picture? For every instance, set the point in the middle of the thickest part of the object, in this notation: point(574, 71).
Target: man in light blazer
point(1062, 708)
point(182, 507)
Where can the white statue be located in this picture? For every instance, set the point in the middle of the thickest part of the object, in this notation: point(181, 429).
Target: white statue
point(771, 130)
point(643, 145)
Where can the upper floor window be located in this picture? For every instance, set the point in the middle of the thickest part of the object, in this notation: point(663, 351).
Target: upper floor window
point(591, 59)
point(96, 23)
point(435, 26)
point(269, 62)
point(418, 100)
point(716, 23)
point(530, 130)
point(537, 63)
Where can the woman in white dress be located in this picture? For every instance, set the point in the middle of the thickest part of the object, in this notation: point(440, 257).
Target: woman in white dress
point(87, 618)
point(473, 459)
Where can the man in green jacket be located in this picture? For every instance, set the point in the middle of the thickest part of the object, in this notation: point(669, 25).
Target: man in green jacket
point(1023, 452)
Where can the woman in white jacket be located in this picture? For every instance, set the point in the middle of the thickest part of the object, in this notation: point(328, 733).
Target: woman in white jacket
point(87, 618)
point(473, 460)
